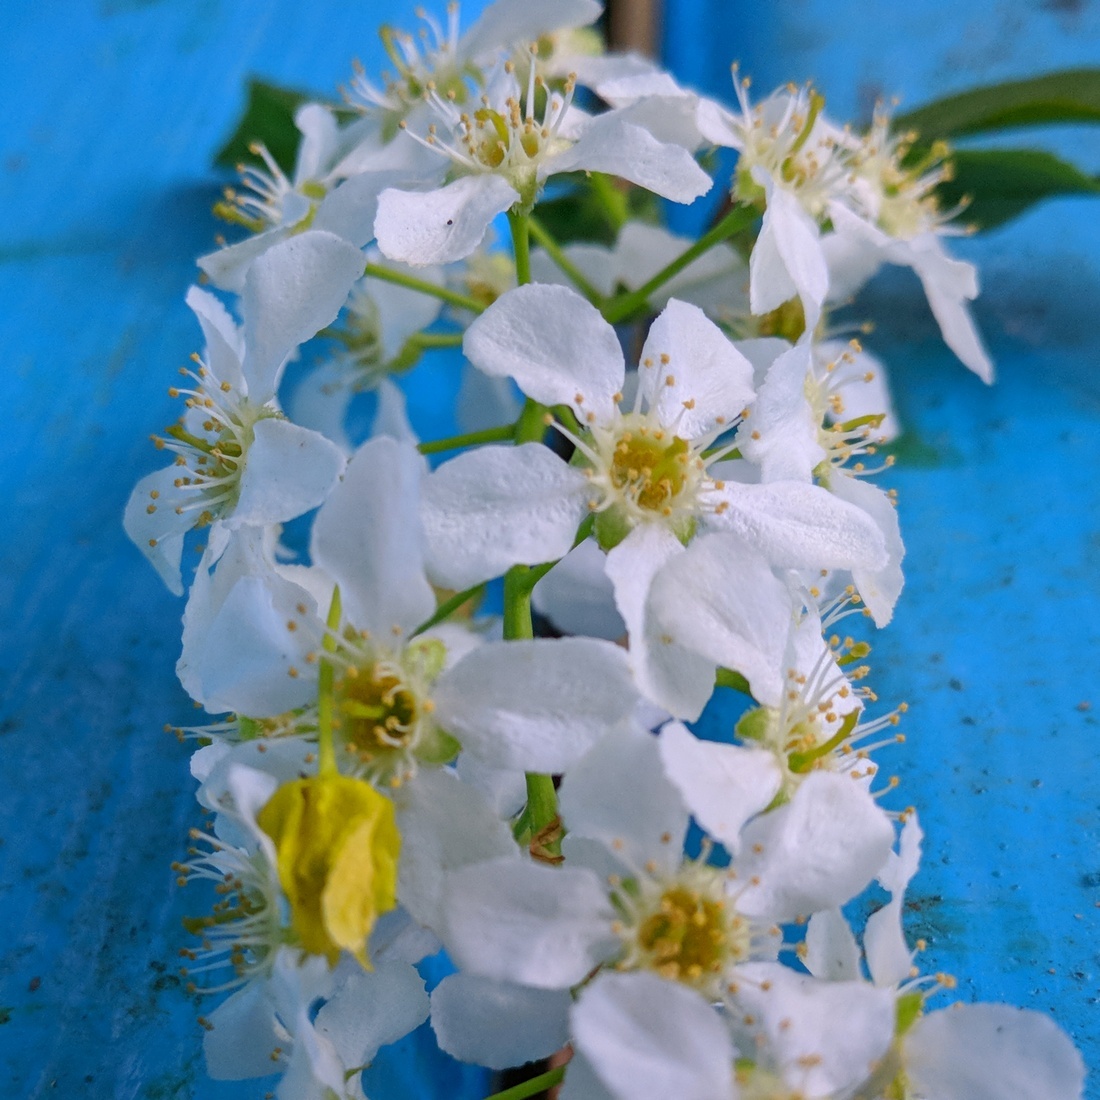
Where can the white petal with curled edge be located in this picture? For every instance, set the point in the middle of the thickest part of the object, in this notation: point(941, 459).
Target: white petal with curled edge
point(498, 1024)
point(535, 705)
point(613, 145)
point(242, 1035)
point(815, 852)
point(722, 785)
point(542, 926)
point(290, 293)
point(437, 227)
point(349, 210)
point(719, 599)
point(888, 956)
point(368, 538)
point(691, 374)
point(675, 678)
point(227, 267)
point(245, 663)
point(577, 595)
point(159, 533)
point(787, 258)
point(514, 22)
point(826, 1036)
point(496, 507)
point(369, 1009)
point(832, 953)
point(652, 1039)
point(554, 344)
point(993, 1052)
point(640, 814)
point(879, 587)
point(444, 824)
point(782, 433)
point(289, 470)
point(799, 526)
point(224, 346)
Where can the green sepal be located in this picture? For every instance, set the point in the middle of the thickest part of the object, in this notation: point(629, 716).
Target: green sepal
point(611, 527)
point(726, 677)
point(754, 724)
point(437, 746)
point(802, 762)
point(249, 728)
point(909, 1009)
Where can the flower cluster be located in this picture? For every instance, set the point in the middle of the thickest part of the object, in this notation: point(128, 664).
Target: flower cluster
point(390, 770)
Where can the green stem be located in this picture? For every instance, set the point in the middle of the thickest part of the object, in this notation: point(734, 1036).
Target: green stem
point(531, 1088)
point(520, 224)
point(388, 275)
point(551, 247)
point(437, 339)
point(326, 754)
point(531, 425)
point(470, 439)
point(620, 308)
point(448, 608)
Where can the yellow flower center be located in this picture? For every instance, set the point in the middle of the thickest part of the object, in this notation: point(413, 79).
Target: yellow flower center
point(650, 467)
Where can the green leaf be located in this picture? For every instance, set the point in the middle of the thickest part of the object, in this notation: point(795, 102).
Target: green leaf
point(268, 118)
point(581, 213)
point(1003, 183)
point(1072, 95)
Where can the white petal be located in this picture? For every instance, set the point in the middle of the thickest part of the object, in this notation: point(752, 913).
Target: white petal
point(349, 210)
point(228, 266)
point(554, 344)
point(528, 923)
point(581, 1082)
point(880, 587)
point(239, 1043)
point(720, 600)
point(596, 263)
point(577, 595)
point(787, 257)
point(288, 470)
point(535, 705)
point(444, 824)
point(799, 526)
point(816, 852)
point(722, 785)
point(367, 537)
point(832, 953)
point(611, 144)
point(782, 434)
point(711, 381)
point(652, 1039)
point(826, 1036)
point(888, 956)
point(513, 22)
point(224, 346)
point(640, 813)
point(159, 533)
point(485, 402)
point(368, 1009)
point(290, 293)
point(668, 674)
point(320, 134)
point(496, 507)
point(498, 1024)
point(437, 227)
point(320, 402)
point(993, 1052)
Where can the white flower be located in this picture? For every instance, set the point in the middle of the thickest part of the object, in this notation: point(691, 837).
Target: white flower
point(501, 154)
point(238, 460)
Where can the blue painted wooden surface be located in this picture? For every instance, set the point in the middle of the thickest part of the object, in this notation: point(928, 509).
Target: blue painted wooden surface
point(995, 641)
point(113, 111)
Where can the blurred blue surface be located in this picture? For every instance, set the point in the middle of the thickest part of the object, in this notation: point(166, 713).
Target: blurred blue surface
point(113, 112)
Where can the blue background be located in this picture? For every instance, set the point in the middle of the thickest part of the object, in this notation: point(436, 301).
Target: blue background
point(113, 112)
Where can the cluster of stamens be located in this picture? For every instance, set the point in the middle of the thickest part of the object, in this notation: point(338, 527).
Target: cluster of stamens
point(502, 135)
point(244, 928)
point(685, 927)
point(639, 467)
point(210, 465)
point(270, 199)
